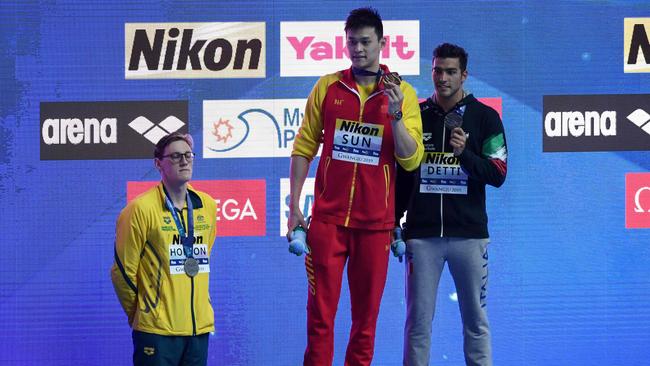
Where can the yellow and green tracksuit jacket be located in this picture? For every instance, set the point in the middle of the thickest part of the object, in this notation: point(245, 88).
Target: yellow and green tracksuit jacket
point(157, 296)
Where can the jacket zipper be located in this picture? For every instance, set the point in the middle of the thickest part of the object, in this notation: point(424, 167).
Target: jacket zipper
point(386, 182)
point(191, 295)
point(354, 173)
point(442, 222)
point(327, 166)
point(354, 180)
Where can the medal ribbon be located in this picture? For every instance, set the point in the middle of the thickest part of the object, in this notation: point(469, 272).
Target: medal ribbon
point(364, 72)
point(186, 240)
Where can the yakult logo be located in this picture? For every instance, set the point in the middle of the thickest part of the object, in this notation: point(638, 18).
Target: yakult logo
point(241, 204)
point(637, 200)
point(317, 48)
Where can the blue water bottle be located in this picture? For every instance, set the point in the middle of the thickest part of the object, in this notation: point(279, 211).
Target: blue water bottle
point(398, 246)
point(298, 241)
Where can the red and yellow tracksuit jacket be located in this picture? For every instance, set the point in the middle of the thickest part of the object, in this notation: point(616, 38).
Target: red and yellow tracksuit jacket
point(355, 178)
point(157, 296)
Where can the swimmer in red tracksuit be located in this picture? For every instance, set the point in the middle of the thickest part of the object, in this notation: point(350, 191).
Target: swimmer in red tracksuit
point(365, 124)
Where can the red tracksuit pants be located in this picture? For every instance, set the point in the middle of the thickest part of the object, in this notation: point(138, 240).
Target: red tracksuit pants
point(366, 252)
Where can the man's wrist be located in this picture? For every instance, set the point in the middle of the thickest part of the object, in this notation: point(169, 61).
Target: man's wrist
point(397, 115)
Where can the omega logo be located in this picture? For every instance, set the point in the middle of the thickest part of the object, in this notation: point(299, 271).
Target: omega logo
point(637, 204)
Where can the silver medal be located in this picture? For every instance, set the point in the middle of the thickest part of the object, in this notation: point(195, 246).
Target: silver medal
point(191, 267)
point(453, 120)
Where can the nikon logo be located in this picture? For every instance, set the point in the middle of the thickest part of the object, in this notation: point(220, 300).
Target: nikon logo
point(176, 239)
point(75, 131)
point(195, 50)
point(359, 128)
point(441, 159)
point(637, 45)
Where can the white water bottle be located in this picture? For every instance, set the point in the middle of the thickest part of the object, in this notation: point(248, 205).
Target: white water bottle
point(298, 243)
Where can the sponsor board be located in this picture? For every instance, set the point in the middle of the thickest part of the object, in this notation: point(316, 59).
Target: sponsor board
point(251, 128)
point(306, 201)
point(318, 48)
point(241, 204)
point(108, 130)
point(637, 200)
point(195, 50)
point(636, 47)
point(596, 122)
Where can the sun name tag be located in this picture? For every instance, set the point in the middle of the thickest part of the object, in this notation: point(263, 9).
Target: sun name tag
point(441, 173)
point(357, 142)
point(177, 258)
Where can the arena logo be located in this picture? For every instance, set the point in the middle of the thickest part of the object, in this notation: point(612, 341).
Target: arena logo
point(61, 131)
point(576, 124)
point(241, 204)
point(596, 122)
point(637, 45)
point(98, 130)
point(195, 50)
point(155, 131)
point(306, 201)
point(317, 48)
point(637, 200)
point(251, 128)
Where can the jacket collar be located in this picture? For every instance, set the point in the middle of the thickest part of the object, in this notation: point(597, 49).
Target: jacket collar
point(348, 77)
point(430, 103)
point(196, 199)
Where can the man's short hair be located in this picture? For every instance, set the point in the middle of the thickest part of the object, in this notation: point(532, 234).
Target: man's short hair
point(448, 50)
point(159, 151)
point(365, 17)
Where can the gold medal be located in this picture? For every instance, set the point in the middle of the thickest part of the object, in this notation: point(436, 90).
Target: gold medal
point(392, 77)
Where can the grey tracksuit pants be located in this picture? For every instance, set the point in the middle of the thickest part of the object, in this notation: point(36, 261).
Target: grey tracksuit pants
point(468, 264)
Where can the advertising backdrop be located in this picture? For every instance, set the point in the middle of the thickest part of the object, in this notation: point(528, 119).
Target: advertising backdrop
point(88, 87)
